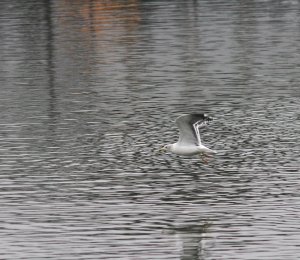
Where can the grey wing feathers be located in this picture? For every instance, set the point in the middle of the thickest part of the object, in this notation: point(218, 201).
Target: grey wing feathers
point(188, 126)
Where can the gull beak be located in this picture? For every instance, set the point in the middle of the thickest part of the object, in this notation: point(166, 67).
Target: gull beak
point(161, 149)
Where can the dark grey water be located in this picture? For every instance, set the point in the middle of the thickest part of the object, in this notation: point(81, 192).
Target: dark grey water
point(89, 91)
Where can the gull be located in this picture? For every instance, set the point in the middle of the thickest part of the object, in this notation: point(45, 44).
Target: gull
point(189, 142)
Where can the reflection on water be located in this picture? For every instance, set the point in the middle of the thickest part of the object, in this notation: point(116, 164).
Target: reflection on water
point(89, 92)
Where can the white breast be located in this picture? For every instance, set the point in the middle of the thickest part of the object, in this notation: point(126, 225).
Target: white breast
point(185, 149)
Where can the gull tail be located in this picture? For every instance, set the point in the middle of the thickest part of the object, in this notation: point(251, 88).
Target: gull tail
point(212, 151)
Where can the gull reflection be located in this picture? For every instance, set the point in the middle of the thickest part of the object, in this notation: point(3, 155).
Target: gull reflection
point(193, 239)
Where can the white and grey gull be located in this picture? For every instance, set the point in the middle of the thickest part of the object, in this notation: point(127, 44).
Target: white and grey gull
point(189, 142)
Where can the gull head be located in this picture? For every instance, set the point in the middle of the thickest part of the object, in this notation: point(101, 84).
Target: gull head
point(165, 148)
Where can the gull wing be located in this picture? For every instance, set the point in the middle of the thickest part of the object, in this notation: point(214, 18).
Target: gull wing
point(189, 128)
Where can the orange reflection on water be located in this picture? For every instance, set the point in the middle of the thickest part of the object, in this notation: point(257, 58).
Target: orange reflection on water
point(110, 18)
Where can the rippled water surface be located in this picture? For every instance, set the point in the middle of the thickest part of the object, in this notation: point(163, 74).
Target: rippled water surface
point(89, 91)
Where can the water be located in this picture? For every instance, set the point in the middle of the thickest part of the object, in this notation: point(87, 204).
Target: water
point(89, 92)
